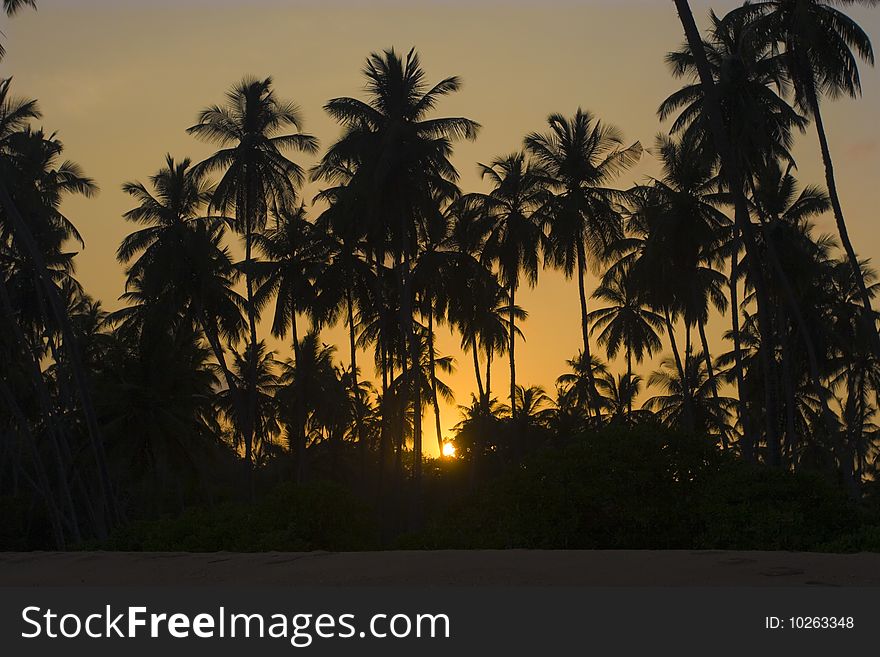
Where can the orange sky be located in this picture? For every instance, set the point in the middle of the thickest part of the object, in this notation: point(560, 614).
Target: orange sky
point(120, 81)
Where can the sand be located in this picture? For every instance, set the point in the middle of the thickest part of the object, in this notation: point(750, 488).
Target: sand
point(439, 568)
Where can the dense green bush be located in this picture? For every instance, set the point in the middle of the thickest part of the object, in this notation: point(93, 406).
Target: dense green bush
point(316, 516)
point(647, 488)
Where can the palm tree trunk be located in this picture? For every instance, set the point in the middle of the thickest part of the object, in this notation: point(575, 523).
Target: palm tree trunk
point(57, 438)
point(749, 442)
point(788, 387)
point(434, 381)
point(23, 233)
point(42, 486)
point(585, 326)
point(489, 355)
point(812, 358)
point(710, 370)
point(475, 351)
point(734, 181)
point(629, 374)
point(299, 404)
point(831, 183)
point(251, 415)
point(685, 389)
point(352, 346)
point(686, 382)
point(510, 351)
point(670, 331)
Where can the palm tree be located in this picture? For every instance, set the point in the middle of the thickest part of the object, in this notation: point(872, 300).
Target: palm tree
point(310, 385)
point(579, 384)
point(156, 407)
point(32, 184)
point(233, 401)
point(512, 215)
point(255, 176)
point(733, 55)
point(625, 323)
point(617, 395)
point(536, 407)
point(294, 260)
point(583, 156)
point(177, 261)
point(822, 46)
point(710, 412)
point(11, 7)
point(401, 175)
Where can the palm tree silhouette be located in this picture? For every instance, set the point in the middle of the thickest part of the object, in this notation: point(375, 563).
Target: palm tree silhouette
point(579, 384)
point(582, 156)
point(401, 175)
point(176, 263)
point(11, 7)
point(710, 412)
point(32, 185)
point(626, 323)
point(512, 217)
point(822, 46)
point(255, 176)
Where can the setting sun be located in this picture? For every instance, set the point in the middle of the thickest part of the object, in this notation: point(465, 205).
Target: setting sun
point(449, 450)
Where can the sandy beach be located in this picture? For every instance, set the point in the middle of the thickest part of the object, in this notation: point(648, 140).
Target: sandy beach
point(442, 568)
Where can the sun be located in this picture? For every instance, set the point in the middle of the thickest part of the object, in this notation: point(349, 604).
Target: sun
point(448, 450)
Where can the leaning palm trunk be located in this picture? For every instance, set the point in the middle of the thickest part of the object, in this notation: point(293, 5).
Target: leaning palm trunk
point(710, 371)
point(475, 351)
point(510, 352)
point(585, 326)
point(749, 442)
point(629, 375)
point(831, 183)
point(734, 181)
point(23, 233)
point(489, 357)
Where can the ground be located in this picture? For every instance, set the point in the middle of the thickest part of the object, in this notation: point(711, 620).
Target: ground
point(431, 568)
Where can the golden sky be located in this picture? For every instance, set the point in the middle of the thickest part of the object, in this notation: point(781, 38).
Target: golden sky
point(121, 80)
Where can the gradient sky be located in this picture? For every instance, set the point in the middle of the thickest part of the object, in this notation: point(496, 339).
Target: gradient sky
point(121, 80)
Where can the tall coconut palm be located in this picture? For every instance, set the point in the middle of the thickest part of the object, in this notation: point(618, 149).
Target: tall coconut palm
point(701, 61)
point(255, 176)
point(513, 216)
point(822, 46)
point(176, 261)
point(582, 155)
point(402, 176)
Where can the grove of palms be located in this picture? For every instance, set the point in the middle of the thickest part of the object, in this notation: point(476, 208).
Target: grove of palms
point(176, 397)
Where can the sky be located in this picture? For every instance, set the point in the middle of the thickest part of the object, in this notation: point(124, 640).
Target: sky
point(121, 80)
